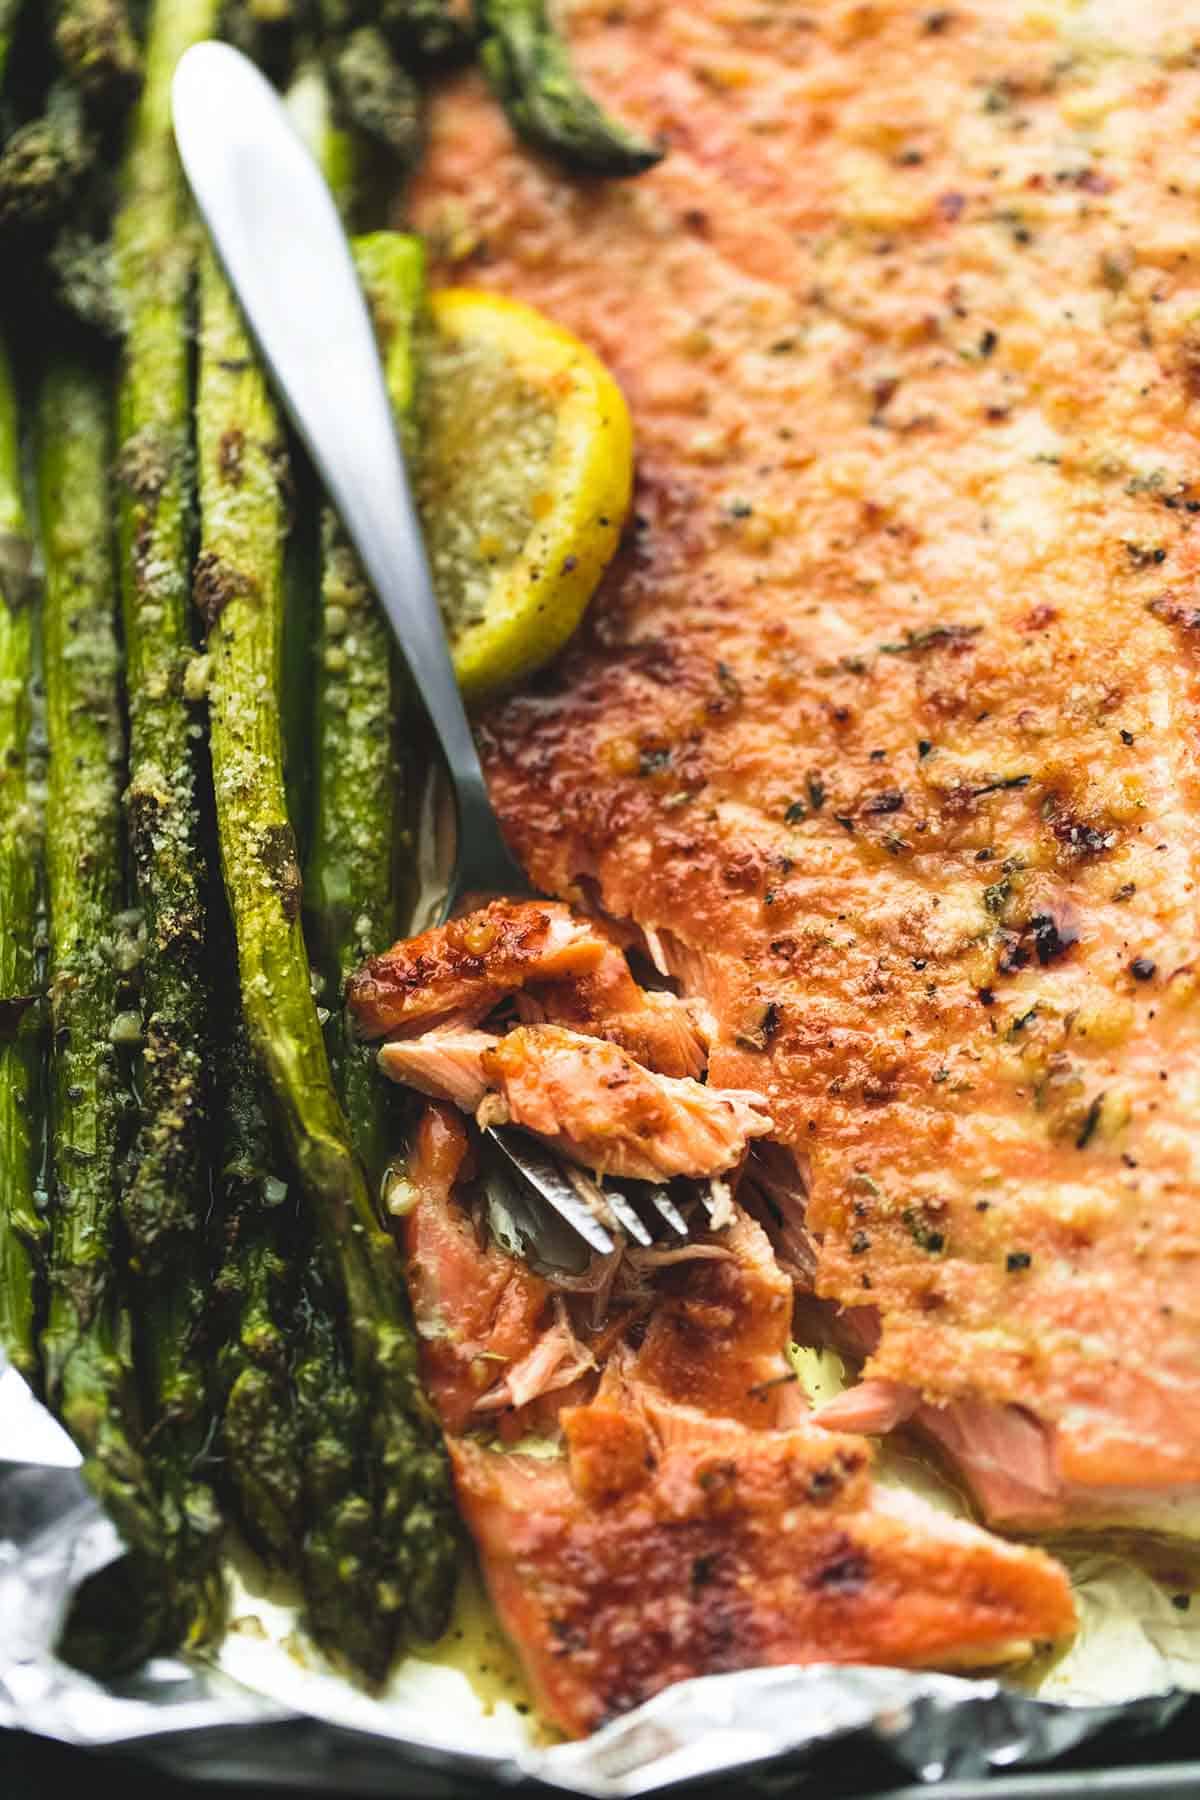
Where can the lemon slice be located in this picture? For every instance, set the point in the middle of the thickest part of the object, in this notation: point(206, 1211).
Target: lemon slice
point(524, 480)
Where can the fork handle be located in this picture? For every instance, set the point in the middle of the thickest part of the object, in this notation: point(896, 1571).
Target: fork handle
point(279, 237)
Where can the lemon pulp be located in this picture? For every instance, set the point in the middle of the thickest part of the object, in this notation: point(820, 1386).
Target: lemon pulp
point(524, 480)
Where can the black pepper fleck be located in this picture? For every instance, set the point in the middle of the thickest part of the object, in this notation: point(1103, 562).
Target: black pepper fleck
point(890, 801)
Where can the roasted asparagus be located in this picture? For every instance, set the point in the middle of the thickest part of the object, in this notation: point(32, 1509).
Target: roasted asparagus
point(531, 73)
point(403, 1583)
point(21, 1227)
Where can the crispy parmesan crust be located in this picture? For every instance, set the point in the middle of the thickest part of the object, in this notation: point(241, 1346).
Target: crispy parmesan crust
point(466, 967)
point(884, 724)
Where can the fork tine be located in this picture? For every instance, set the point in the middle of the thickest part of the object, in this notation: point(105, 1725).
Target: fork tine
point(542, 1233)
point(548, 1181)
point(660, 1199)
point(626, 1216)
point(610, 1206)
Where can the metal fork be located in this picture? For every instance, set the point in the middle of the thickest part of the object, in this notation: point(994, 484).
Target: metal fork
point(280, 240)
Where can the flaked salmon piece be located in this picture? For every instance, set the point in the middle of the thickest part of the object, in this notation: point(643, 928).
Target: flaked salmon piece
point(695, 1519)
point(1007, 1456)
point(560, 967)
point(478, 1312)
point(1006, 1453)
point(718, 1336)
point(883, 728)
point(656, 1027)
point(874, 1407)
point(586, 1096)
point(1011, 1461)
point(444, 1064)
point(556, 1360)
point(466, 967)
point(593, 1103)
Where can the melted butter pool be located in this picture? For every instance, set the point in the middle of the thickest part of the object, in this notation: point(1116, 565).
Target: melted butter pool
point(467, 1691)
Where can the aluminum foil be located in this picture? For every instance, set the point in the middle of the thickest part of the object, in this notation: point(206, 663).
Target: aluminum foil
point(265, 1712)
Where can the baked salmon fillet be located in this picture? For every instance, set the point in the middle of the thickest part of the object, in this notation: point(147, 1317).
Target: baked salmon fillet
point(882, 732)
point(649, 1494)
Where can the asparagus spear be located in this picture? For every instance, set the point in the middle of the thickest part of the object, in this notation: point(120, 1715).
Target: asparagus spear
point(529, 68)
point(291, 1423)
point(426, 30)
point(99, 51)
point(165, 1194)
point(351, 877)
point(353, 671)
point(350, 1605)
point(423, 31)
point(9, 11)
point(155, 250)
point(241, 449)
point(21, 1228)
point(239, 589)
point(258, 1445)
point(44, 163)
point(377, 96)
point(265, 30)
point(86, 1342)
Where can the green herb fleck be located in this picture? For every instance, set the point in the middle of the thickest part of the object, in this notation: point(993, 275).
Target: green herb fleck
point(996, 897)
point(928, 637)
point(1091, 1119)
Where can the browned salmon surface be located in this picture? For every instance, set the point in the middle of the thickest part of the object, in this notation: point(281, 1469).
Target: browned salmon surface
point(551, 963)
point(462, 970)
point(693, 1518)
point(883, 729)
